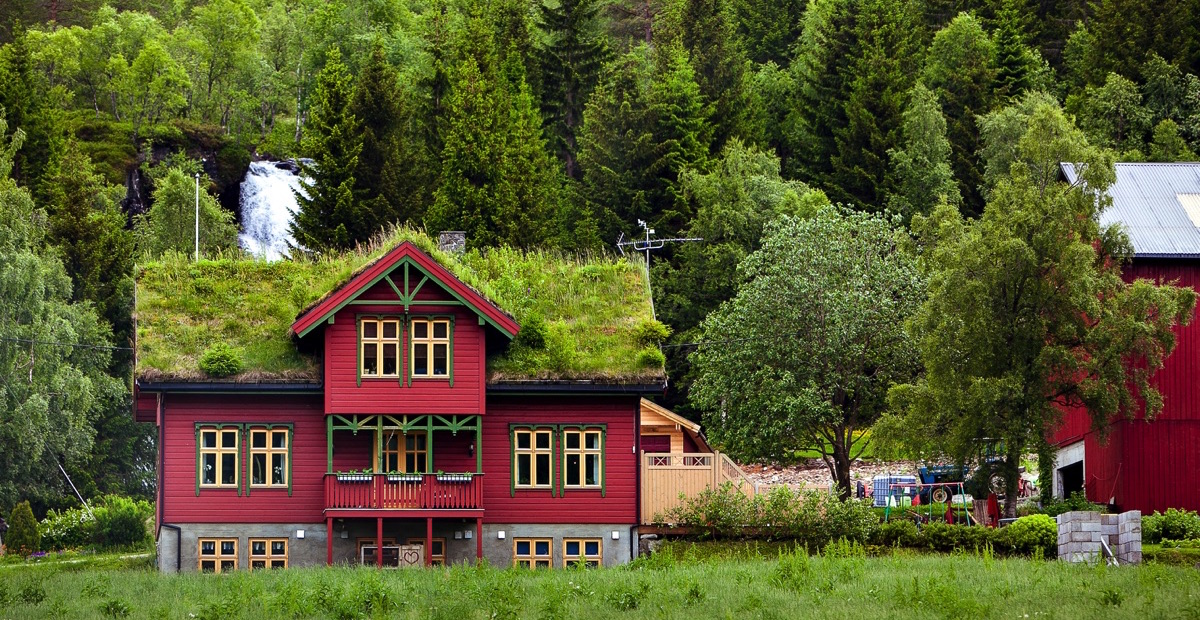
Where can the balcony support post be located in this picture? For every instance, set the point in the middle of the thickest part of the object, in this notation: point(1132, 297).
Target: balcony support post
point(379, 542)
point(329, 541)
point(479, 538)
point(428, 541)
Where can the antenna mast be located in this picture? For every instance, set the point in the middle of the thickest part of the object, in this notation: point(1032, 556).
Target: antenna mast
point(646, 245)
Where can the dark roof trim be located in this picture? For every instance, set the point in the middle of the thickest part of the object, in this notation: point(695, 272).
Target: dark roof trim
point(1191, 255)
point(575, 388)
point(232, 388)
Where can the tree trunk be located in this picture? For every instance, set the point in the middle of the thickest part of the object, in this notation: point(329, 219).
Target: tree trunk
point(1012, 480)
point(841, 466)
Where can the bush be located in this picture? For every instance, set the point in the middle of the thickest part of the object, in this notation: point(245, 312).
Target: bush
point(221, 360)
point(651, 334)
point(23, 538)
point(121, 522)
point(532, 334)
point(1076, 502)
point(1032, 535)
point(898, 534)
point(68, 529)
point(1174, 525)
point(651, 358)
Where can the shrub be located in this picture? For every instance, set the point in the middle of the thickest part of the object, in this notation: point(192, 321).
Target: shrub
point(1174, 525)
point(651, 334)
point(897, 533)
point(67, 529)
point(121, 522)
point(23, 537)
point(1077, 501)
point(1031, 535)
point(941, 536)
point(221, 360)
point(651, 358)
point(532, 334)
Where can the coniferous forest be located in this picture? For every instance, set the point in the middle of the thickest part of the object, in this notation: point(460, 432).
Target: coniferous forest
point(548, 123)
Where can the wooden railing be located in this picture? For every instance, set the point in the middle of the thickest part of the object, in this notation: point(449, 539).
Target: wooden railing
point(414, 492)
point(668, 476)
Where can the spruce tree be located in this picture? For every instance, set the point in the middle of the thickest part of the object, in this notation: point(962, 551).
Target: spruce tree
point(570, 63)
point(960, 69)
point(768, 29)
point(718, 64)
point(329, 216)
point(682, 135)
point(1015, 61)
point(821, 70)
point(376, 108)
point(23, 537)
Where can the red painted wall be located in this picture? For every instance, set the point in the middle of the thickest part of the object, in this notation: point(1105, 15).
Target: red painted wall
point(419, 396)
point(619, 504)
point(1153, 465)
point(182, 505)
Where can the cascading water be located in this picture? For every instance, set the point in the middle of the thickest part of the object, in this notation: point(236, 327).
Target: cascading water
point(268, 203)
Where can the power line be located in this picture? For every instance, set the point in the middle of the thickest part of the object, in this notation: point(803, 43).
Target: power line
point(66, 344)
point(729, 341)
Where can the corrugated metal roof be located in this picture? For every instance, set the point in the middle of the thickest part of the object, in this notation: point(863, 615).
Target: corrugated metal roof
point(1152, 202)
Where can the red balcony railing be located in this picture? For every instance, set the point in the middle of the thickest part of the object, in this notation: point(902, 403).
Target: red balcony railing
point(404, 492)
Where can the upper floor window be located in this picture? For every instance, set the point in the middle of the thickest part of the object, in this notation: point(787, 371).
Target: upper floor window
point(583, 457)
point(404, 452)
point(269, 457)
point(533, 454)
point(379, 347)
point(430, 355)
point(218, 457)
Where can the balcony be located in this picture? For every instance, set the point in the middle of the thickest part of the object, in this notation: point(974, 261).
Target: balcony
point(404, 491)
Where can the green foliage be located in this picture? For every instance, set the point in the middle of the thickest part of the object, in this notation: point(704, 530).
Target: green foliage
point(811, 518)
point(170, 225)
point(773, 381)
point(1034, 534)
point(1175, 524)
point(67, 529)
point(898, 533)
point(922, 167)
point(651, 333)
point(121, 522)
point(221, 360)
point(652, 359)
point(1167, 145)
point(1003, 330)
point(533, 333)
point(571, 62)
point(22, 537)
point(708, 35)
point(1076, 501)
point(1113, 115)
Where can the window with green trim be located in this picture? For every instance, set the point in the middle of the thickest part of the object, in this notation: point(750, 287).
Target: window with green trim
point(533, 455)
point(218, 457)
point(270, 450)
point(404, 453)
point(583, 458)
point(379, 347)
point(430, 347)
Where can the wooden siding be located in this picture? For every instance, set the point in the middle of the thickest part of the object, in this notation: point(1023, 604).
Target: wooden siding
point(1153, 465)
point(620, 499)
point(343, 394)
point(666, 476)
point(181, 504)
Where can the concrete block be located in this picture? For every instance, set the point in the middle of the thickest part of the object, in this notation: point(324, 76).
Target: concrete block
point(1110, 519)
point(1091, 526)
point(1081, 537)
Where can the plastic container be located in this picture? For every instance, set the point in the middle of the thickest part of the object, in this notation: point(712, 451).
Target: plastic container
point(881, 486)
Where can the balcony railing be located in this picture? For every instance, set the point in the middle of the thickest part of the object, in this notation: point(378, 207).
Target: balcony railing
point(404, 491)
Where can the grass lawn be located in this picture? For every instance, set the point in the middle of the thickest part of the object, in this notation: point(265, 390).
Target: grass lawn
point(748, 584)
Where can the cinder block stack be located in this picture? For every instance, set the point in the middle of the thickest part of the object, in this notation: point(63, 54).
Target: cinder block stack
point(1080, 534)
point(1129, 537)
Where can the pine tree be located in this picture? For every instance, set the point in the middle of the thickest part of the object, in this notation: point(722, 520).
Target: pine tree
point(570, 63)
point(329, 216)
point(682, 135)
point(376, 108)
point(1015, 61)
point(821, 68)
point(880, 77)
point(718, 64)
point(960, 70)
point(922, 167)
point(768, 29)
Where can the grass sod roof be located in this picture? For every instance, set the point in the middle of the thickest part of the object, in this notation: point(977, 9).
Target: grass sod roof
point(591, 307)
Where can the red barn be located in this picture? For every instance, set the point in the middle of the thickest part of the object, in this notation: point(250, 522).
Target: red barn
point(1147, 465)
point(394, 420)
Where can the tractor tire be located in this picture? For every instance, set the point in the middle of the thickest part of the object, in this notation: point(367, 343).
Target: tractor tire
point(940, 495)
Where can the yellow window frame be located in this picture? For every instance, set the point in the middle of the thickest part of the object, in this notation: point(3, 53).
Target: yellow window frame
point(429, 341)
point(222, 555)
point(273, 554)
point(436, 553)
point(579, 450)
point(269, 451)
point(533, 558)
point(581, 554)
point(401, 453)
point(381, 343)
point(532, 453)
point(218, 451)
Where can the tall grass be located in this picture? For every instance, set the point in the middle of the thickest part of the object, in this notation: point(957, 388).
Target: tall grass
point(842, 584)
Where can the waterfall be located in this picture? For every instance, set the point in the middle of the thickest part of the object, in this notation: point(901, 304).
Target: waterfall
point(268, 202)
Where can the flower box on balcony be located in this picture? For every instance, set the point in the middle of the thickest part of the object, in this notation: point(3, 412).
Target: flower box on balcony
point(454, 477)
point(354, 477)
point(405, 477)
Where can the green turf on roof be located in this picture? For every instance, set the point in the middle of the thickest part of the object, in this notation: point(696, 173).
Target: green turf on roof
point(591, 307)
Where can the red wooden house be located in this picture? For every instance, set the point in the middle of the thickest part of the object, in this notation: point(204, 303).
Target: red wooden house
point(1145, 465)
point(386, 427)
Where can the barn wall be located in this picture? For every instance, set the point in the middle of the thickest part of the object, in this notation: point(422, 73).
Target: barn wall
point(181, 502)
point(619, 502)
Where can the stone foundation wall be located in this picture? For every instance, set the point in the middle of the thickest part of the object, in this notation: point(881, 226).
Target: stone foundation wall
point(1080, 534)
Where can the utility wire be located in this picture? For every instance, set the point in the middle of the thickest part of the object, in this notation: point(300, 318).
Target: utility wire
point(66, 344)
point(730, 341)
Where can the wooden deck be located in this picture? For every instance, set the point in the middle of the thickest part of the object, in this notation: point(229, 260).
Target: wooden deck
point(391, 492)
point(669, 477)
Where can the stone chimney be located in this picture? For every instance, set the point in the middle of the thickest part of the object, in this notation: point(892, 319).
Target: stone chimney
point(452, 241)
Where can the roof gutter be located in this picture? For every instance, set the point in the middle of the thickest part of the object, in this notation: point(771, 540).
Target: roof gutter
point(180, 387)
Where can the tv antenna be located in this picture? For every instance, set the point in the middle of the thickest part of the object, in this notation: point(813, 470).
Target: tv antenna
point(647, 245)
